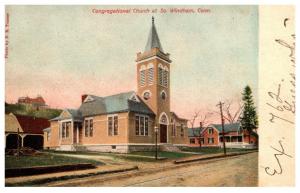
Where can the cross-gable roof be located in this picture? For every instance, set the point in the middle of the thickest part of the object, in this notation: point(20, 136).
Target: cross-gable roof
point(231, 127)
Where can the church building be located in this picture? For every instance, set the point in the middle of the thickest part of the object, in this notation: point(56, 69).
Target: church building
point(128, 121)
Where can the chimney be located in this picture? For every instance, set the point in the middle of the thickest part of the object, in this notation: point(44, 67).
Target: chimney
point(83, 97)
point(201, 125)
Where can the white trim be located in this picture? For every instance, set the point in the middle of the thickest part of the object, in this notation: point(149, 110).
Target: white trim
point(135, 97)
point(166, 68)
point(144, 116)
point(143, 67)
point(150, 65)
point(144, 93)
point(151, 58)
point(160, 116)
point(84, 127)
point(113, 125)
point(89, 98)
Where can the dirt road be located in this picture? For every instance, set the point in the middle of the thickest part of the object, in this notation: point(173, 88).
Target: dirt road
point(232, 171)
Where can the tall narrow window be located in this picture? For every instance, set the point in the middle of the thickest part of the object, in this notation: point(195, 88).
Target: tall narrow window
point(165, 78)
point(88, 127)
point(142, 77)
point(110, 126)
point(181, 130)
point(91, 127)
point(63, 133)
point(113, 125)
point(137, 125)
point(68, 126)
point(141, 125)
point(146, 125)
point(150, 75)
point(160, 75)
point(173, 129)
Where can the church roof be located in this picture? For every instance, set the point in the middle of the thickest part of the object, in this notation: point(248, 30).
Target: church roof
point(117, 103)
point(153, 39)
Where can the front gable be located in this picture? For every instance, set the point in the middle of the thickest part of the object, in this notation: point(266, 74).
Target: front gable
point(65, 114)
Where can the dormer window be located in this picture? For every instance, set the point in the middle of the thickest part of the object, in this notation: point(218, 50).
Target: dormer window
point(88, 99)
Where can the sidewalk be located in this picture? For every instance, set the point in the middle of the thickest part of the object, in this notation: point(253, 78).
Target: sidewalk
point(44, 178)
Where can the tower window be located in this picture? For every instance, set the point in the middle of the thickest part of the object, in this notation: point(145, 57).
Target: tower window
point(160, 76)
point(150, 75)
point(146, 95)
point(142, 77)
point(163, 95)
point(165, 78)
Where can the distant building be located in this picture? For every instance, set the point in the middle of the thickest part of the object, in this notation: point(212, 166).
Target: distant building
point(28, 129)
point(211, 136)
point(35, 103)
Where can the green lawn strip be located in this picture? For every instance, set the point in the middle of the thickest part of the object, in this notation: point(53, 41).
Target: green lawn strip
point(44, 160)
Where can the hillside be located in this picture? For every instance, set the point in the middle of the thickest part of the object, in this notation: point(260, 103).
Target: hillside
point(23, 110)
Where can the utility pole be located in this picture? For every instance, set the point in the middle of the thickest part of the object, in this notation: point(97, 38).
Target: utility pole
point(18, 143)
point(222, 120)
point(200, 135)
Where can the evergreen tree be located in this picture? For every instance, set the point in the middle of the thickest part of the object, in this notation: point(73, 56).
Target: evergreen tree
point(249, 118)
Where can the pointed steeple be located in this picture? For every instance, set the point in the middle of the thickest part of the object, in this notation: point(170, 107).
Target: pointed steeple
point(153, 39)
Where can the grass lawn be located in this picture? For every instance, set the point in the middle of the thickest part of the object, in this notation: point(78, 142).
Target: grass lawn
point(209, 150)
point(133, 156)
point(43, 160)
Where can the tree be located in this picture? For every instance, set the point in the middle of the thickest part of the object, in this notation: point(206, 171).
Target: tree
point(232, 110)
point(249, 118)
point(202, 123)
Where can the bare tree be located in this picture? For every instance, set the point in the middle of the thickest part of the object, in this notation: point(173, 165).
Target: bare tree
point(203, 122)
point(232, 114)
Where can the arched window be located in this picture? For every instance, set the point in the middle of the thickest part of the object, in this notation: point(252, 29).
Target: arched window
point(164, 119)
point(163, 95)
point(150, 74)
point(142, 75)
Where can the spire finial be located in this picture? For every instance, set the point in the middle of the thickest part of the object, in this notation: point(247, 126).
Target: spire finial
point(152, 20)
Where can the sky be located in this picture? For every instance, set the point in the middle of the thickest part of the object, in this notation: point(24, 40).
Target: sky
point(62, 52)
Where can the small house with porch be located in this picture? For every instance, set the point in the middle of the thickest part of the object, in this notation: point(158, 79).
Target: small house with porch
point(211, 136)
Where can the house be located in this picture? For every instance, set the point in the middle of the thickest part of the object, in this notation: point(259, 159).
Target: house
point(211, 136)
point(25, 129)
point(124, 122)
point(35, 103)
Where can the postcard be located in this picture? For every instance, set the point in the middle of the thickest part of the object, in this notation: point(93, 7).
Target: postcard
point(149, 95)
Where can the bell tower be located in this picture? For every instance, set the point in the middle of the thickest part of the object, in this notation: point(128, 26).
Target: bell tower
point(153, 78)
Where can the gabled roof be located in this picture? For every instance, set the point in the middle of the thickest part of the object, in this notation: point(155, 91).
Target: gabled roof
point(113, 104)
point(68, 114)
point(195, 132)
point(177, 117)
point(32, 125)
point(228, 127)
point(153, 39)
